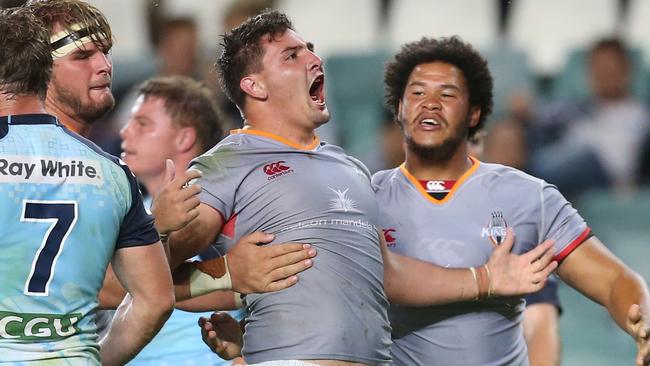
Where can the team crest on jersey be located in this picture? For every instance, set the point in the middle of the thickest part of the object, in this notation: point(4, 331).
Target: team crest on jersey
point(276, 169)
point(496, 228)
point(342, 202)
point(389, 237)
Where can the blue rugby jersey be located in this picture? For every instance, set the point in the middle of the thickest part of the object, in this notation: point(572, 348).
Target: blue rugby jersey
point(66, 207)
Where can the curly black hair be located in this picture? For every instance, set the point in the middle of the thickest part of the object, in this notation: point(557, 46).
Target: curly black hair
point(450, 50)
point(242, 50)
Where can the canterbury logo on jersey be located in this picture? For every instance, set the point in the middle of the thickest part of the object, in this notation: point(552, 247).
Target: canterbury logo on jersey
point(276, 169)
point(32, 169)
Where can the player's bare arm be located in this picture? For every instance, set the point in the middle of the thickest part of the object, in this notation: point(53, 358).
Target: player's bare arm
point(216, 300)
point(144, 273)
point(250, 267)
point(174, 206)
point(542, 334)
point(594, 271)
point(507, 274)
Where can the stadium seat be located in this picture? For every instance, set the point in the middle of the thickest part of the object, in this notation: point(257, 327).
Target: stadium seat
point(512, 75)
point(476, 21)
point(548, 30)
point(355, 98)
point(636, 29)
point(335, 26)
point(129, 26)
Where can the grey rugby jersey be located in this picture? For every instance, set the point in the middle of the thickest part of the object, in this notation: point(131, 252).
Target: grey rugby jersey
point(316, 195)
point(459, 231)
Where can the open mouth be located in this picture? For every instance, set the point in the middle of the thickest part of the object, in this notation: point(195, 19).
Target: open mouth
point(317, 90)
point(430, 122)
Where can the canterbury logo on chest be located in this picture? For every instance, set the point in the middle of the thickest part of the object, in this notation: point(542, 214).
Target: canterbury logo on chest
point(276, 169)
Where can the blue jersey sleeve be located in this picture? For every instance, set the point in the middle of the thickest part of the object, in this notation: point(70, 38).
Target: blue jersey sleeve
point(548, 295)
point(137, 227)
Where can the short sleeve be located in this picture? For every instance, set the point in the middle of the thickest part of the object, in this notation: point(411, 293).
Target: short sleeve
point(219, 180)
point(561, 222)
point(137, 227)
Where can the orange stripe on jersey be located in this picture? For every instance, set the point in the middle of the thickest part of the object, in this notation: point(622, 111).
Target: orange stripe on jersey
point(574, 244)
point(416, 183)
point(275, 137)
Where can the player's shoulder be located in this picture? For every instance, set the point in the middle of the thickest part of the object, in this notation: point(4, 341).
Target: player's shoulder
point(383, 178)
point(223, 151)
point(338, 153)
point(97, 151)
point(502, 176)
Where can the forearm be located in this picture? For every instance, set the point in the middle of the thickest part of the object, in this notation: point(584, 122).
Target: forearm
point(629, 288)
point(217, 300)
point(542, 334)
point(197, 279)
point(135, 323)
point(112, 292)
point(408, 281)
point(195, 237)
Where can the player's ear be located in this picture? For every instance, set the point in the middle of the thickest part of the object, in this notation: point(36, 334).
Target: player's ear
point(398, 115)
point(253, 85)
point(474, 116)
point(185, 139)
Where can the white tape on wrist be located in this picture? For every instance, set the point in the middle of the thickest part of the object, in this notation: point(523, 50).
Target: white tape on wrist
point(239, 301)
point(202, 283)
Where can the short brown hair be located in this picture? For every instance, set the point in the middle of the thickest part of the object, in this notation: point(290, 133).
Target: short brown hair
point(70, 12)
point(243, 51)
point(25, 58)
point(189, 104)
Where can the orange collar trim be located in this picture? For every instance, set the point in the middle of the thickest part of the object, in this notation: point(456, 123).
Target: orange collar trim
point(414, 181)
point(250, 131)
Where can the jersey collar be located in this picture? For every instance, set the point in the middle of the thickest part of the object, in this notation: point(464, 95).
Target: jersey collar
point(250, 131)
point(415, 183)
point(29, 119)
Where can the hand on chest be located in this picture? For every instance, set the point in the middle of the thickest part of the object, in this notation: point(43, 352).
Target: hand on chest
point(455, 238)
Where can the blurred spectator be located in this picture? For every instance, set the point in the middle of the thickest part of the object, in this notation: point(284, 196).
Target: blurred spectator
point(392, 140)
point(597, 142)
point(176, 49)
point(505, 143)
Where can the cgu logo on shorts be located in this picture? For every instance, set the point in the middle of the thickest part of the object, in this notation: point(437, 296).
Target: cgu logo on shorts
point(277, 169)
point(33, 327)
point(390, 239)
point(496, 228)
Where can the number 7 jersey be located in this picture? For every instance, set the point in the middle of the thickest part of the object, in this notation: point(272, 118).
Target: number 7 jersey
point(66, 207)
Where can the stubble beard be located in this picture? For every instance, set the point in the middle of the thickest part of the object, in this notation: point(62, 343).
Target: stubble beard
point(440, 153)
point(89, 112)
